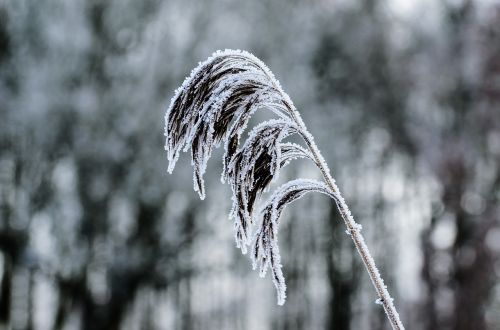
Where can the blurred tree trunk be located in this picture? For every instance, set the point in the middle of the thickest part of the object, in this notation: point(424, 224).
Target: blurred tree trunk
point(5, 294)
point(428, 311)
point(470, 275)
point(296, 240)
point(342, 282)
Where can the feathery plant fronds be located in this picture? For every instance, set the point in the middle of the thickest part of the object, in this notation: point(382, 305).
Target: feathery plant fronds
point(214, 105)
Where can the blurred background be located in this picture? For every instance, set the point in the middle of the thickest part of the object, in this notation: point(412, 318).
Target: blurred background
point(402, 96)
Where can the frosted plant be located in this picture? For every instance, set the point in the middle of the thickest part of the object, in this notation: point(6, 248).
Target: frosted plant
point(214, 105)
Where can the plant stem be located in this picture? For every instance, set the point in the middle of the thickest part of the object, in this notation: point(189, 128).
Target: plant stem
point(353, 228)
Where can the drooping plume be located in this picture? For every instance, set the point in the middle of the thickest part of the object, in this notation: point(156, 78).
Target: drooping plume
point(214, 105)
point(249, 171)
point(265, 250)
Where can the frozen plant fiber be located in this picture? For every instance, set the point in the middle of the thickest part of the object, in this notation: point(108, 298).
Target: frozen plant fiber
point(213, 106)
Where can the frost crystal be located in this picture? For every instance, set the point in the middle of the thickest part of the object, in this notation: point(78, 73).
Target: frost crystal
point(265, 250)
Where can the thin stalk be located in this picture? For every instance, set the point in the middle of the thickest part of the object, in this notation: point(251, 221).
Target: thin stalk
point(353, 229)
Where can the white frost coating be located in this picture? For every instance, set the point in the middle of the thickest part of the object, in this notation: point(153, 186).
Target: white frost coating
point(291, 151)
point(234, 70)
point(214, 105)
point(355, 227)
point(265, 249)
point(247, 163)
point(381, 302)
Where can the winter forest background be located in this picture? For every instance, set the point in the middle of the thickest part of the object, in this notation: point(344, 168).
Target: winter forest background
point(403, 98)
